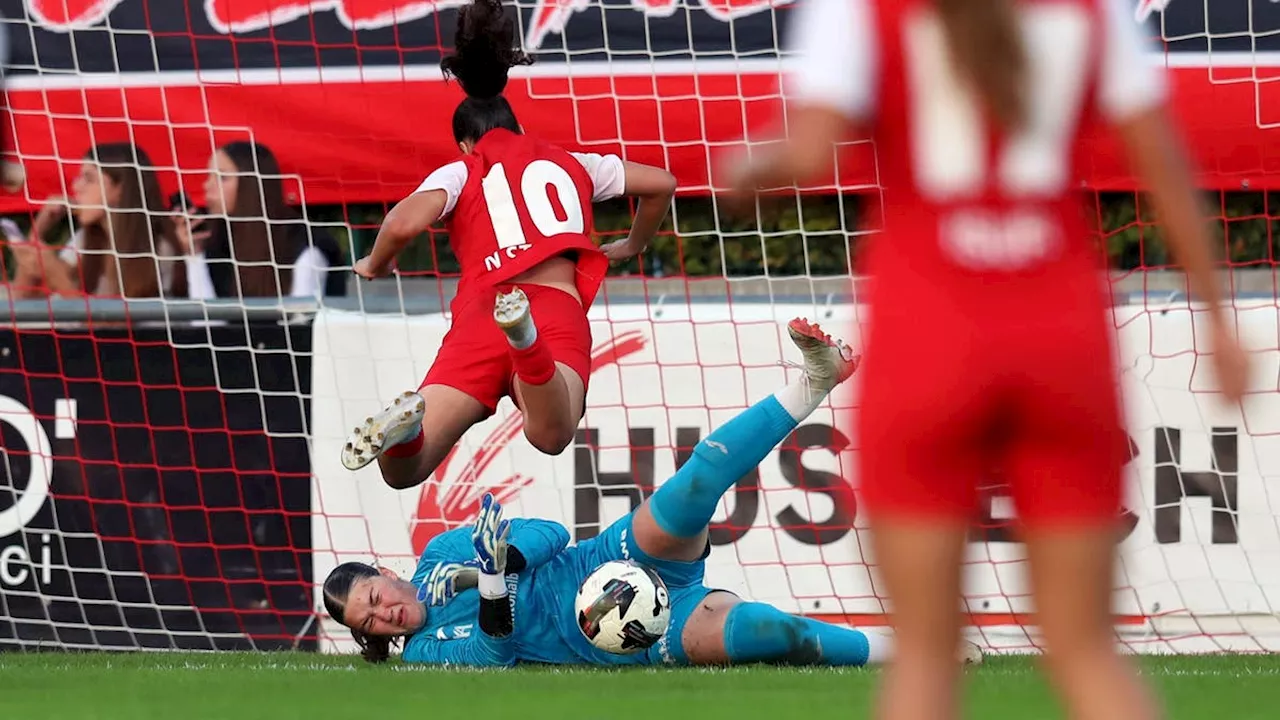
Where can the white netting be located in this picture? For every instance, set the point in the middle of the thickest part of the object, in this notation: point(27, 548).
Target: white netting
point(196, 484)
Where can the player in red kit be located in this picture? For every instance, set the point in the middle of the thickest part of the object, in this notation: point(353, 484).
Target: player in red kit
point(989, 345)
point(519, 216)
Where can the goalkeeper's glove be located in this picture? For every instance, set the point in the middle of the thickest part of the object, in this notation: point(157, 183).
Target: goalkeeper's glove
point(489, 537)
point(447, 580)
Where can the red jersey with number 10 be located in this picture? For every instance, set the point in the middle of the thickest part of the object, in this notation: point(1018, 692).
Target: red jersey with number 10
point(517, 201)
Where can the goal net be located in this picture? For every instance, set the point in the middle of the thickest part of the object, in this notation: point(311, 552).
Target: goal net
point(171, 474)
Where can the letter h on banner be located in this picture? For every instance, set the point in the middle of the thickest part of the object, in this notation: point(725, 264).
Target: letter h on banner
point(1219, 484)
point(590, 485)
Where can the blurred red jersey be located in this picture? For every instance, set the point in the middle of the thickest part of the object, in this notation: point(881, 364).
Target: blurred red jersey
point(960, 197)
point(516, 201)
point(988, 347)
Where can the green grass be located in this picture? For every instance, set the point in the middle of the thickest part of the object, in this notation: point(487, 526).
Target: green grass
point(278, 686)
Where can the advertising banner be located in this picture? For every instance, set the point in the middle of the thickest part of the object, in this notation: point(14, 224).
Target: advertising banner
point(154, 487)
point(349, 95)
point(1201, 530)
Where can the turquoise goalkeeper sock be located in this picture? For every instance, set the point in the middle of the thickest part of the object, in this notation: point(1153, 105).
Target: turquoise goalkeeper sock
point(683, 506)
point(755, 632)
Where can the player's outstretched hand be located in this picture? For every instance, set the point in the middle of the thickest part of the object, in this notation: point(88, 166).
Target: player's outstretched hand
point(621, 250)
point(446, 581)
point(366, 269)
point(490, 537)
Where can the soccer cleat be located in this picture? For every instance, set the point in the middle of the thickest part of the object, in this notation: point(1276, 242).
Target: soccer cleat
point(396, 423)
point(511, 312)
point(827, 361)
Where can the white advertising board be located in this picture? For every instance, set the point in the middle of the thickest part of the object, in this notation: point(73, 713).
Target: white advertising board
point(664, 377)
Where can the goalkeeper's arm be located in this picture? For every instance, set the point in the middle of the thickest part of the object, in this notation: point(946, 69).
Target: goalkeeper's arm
point(477, 649)
point(492, 646)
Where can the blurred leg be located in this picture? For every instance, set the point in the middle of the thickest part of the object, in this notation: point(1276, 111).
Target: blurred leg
point(919, 562)
point(1064, 467)
point(1071, 576)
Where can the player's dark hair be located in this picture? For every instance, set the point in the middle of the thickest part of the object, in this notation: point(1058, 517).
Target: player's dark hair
point(484, 51)
point(987, 46)
point(337, 588)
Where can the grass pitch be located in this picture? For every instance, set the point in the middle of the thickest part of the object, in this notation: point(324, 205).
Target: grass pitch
point(228, 686)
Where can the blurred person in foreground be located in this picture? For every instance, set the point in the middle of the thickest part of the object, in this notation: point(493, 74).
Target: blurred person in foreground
point(247, 242)
point(989, 345)
point(122, 245)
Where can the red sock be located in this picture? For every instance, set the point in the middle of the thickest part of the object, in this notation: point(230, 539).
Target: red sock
point(534, 364)
point(406, 449)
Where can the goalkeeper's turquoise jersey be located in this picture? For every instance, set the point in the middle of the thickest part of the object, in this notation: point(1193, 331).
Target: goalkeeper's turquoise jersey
point(542, 600)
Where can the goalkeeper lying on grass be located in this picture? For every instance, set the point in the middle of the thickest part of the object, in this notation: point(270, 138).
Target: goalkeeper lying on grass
point(516, 580)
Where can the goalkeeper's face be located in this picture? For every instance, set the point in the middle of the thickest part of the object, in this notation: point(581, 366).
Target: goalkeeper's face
point(384, 606)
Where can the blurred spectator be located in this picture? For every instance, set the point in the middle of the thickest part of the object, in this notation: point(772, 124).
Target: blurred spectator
point(123, 246)
point(251, 244)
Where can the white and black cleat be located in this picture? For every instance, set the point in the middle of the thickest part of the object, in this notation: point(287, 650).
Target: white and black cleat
point(827, 360)
point(397, 422)
point(511, 312)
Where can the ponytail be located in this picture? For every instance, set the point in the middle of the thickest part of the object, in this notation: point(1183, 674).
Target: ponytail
point(484, 50)
point(986, 44)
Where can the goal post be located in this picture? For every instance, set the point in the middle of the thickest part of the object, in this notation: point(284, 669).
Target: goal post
point(170, 469)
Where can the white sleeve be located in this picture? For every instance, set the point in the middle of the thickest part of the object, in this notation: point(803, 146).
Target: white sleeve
point(1129, 82)
point(835, 55)
point(199, 281)
point(308, 274)
point(608, 175)
point(450, 179)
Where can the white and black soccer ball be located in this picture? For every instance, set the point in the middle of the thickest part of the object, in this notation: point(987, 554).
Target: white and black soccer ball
point(623, 607)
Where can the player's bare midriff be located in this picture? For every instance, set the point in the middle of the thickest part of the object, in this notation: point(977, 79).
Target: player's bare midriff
point(557, 272)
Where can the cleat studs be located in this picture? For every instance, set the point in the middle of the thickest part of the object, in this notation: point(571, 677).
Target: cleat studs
point(349, 446)
point(406, 415)
point(368, 420)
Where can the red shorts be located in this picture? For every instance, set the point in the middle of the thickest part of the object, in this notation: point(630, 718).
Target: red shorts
point(956, 395)
point(474, 355)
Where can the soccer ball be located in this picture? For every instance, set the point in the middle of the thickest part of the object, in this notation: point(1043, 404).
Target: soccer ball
point(623, 607)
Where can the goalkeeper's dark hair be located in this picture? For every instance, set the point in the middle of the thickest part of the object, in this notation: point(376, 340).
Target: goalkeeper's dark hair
point(485, 48)
point(337, 587)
